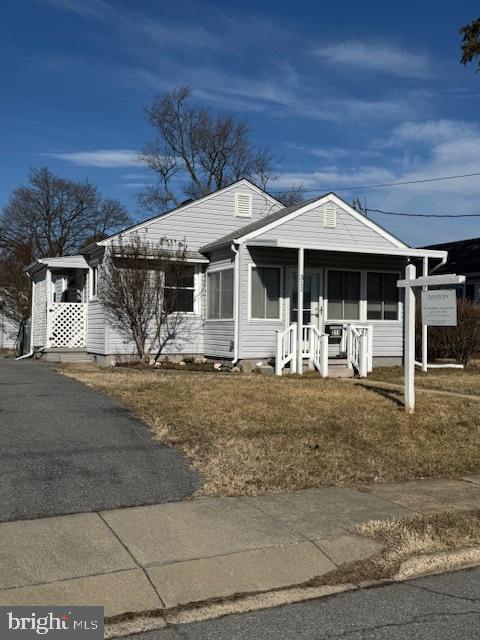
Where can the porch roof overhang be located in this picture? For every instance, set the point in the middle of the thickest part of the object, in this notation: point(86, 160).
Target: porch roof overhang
point(407, 252)
point(61, 262)
point(188, 256)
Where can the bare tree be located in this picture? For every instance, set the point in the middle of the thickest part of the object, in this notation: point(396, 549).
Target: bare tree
point(51, 216)
point(201, 150)
point(56, 216)
point(293, 196)
point(141, 289)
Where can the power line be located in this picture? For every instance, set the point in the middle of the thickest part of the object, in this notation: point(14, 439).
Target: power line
point(425, 215)
point(389, 184)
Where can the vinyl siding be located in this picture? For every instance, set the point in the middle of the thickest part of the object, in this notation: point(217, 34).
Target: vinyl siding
point(204, 222)
point(308, 227)
point(219, 334)
point(96, 327)
point(258, 339)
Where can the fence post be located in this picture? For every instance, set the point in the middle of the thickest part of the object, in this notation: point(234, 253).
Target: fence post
point(349, 347)
point(324, 355)
point(363, 354)
point(311, 347)
point(279, 356)
point(293, 349)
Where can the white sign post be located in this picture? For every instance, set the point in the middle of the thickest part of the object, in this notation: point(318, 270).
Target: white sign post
point(441, 309)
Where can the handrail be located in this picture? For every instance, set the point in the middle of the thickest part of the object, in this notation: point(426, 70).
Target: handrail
point(359, 348)
point(286, 349)
point(314, 347)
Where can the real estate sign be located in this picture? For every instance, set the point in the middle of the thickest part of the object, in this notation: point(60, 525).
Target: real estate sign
point(439, 308)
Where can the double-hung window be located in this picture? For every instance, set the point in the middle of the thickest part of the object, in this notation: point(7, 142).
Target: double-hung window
point(382, 296)
point(94, 281)
point(220, 295)
point(343, 295)
point(180, 288)
point(265, 293)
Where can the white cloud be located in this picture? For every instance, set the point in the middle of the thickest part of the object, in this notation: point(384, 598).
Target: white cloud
point(84, 8)
point(105, 158)
point(432, 132)
point(380, 58)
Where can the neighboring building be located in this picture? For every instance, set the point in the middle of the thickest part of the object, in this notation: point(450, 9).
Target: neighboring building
point(244, 252)
point(463, 259)
point(8, 330)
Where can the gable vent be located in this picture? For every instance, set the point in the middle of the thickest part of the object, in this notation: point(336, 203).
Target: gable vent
point(243, 205)
point(330, 216)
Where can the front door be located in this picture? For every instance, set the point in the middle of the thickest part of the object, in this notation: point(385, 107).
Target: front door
point(312, 297)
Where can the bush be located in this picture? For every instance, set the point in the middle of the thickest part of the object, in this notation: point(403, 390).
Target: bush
point(461, 342)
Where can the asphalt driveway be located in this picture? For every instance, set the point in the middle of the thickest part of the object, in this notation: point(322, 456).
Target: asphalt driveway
point(65, 448)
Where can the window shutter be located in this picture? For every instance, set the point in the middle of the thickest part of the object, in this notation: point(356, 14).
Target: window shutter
point(330, 216)
point(243, 205)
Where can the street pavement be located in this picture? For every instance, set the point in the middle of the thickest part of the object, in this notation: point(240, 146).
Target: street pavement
point(64, 448)
point(441, 607)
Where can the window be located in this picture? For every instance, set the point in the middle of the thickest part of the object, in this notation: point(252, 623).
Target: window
point(220, 295)
point(265, 293)
point(180, 289)
point(243, 205)
point(343, 295)
point(94, 281)
point(382, 296)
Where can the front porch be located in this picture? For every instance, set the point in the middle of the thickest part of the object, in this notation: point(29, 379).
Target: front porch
point(326, 308)
point(60, 306)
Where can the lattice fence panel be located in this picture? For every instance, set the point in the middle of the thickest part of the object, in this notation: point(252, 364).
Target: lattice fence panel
point(40, 315)
point(68, 325)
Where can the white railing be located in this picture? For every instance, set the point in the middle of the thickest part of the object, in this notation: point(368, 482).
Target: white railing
point(67, 325)
point(358, 347)
point(286, 349)
point(318, 348)
point(314, 348)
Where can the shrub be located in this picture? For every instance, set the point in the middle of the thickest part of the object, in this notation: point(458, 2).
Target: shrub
point(460, 342)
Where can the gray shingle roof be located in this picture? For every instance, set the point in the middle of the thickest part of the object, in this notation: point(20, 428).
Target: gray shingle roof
point(255, 226)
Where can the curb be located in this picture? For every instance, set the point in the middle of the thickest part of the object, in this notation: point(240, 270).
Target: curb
point(412, 568)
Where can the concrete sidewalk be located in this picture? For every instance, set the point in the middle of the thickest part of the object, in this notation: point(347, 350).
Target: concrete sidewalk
point(161, 556)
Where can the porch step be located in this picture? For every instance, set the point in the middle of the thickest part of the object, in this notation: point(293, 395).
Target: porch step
point(64, 355)
point(339, 371)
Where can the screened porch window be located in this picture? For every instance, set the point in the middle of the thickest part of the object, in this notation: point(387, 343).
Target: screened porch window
point(382, 296)
point(343, 295)
point(265, 293)
point(220, 295)
point(180, 289)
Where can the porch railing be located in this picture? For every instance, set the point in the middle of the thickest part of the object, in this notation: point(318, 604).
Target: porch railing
point(359, 348)
point(286, 350)
point(67, 325)
point(314, 349)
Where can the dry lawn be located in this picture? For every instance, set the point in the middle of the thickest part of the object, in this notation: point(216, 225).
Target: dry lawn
point(457, 380)
point(248, 434)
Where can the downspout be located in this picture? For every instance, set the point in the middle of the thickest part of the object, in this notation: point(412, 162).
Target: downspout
point(440, 264)
point(236, 304)
point(30, 353)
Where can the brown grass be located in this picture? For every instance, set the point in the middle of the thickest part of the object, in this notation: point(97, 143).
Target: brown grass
point(250, 434)
point(456, 380)
point(405, 538)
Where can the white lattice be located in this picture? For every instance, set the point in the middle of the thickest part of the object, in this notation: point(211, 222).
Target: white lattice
point(40, 314)
point(67, 324)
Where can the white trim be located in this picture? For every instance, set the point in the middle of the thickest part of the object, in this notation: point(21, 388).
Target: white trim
point(253, 265)
point(330, 197)
point(218, 270)
point(92, 297)
point(163, 216)
point(339, 248)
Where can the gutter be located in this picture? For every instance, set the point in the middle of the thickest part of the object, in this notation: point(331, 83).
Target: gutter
point(236, 310)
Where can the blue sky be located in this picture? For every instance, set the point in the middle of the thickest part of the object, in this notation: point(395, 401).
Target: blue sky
point(345, 94)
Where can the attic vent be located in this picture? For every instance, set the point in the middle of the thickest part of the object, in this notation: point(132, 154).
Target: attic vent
point(330, 216)
point(243, 205)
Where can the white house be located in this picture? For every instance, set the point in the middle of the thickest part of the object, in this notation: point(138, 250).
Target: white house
point(247, 256)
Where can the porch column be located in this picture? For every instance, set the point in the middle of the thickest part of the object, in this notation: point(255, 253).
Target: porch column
point(300, 273)
point(48, 287)
point(424, 326)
